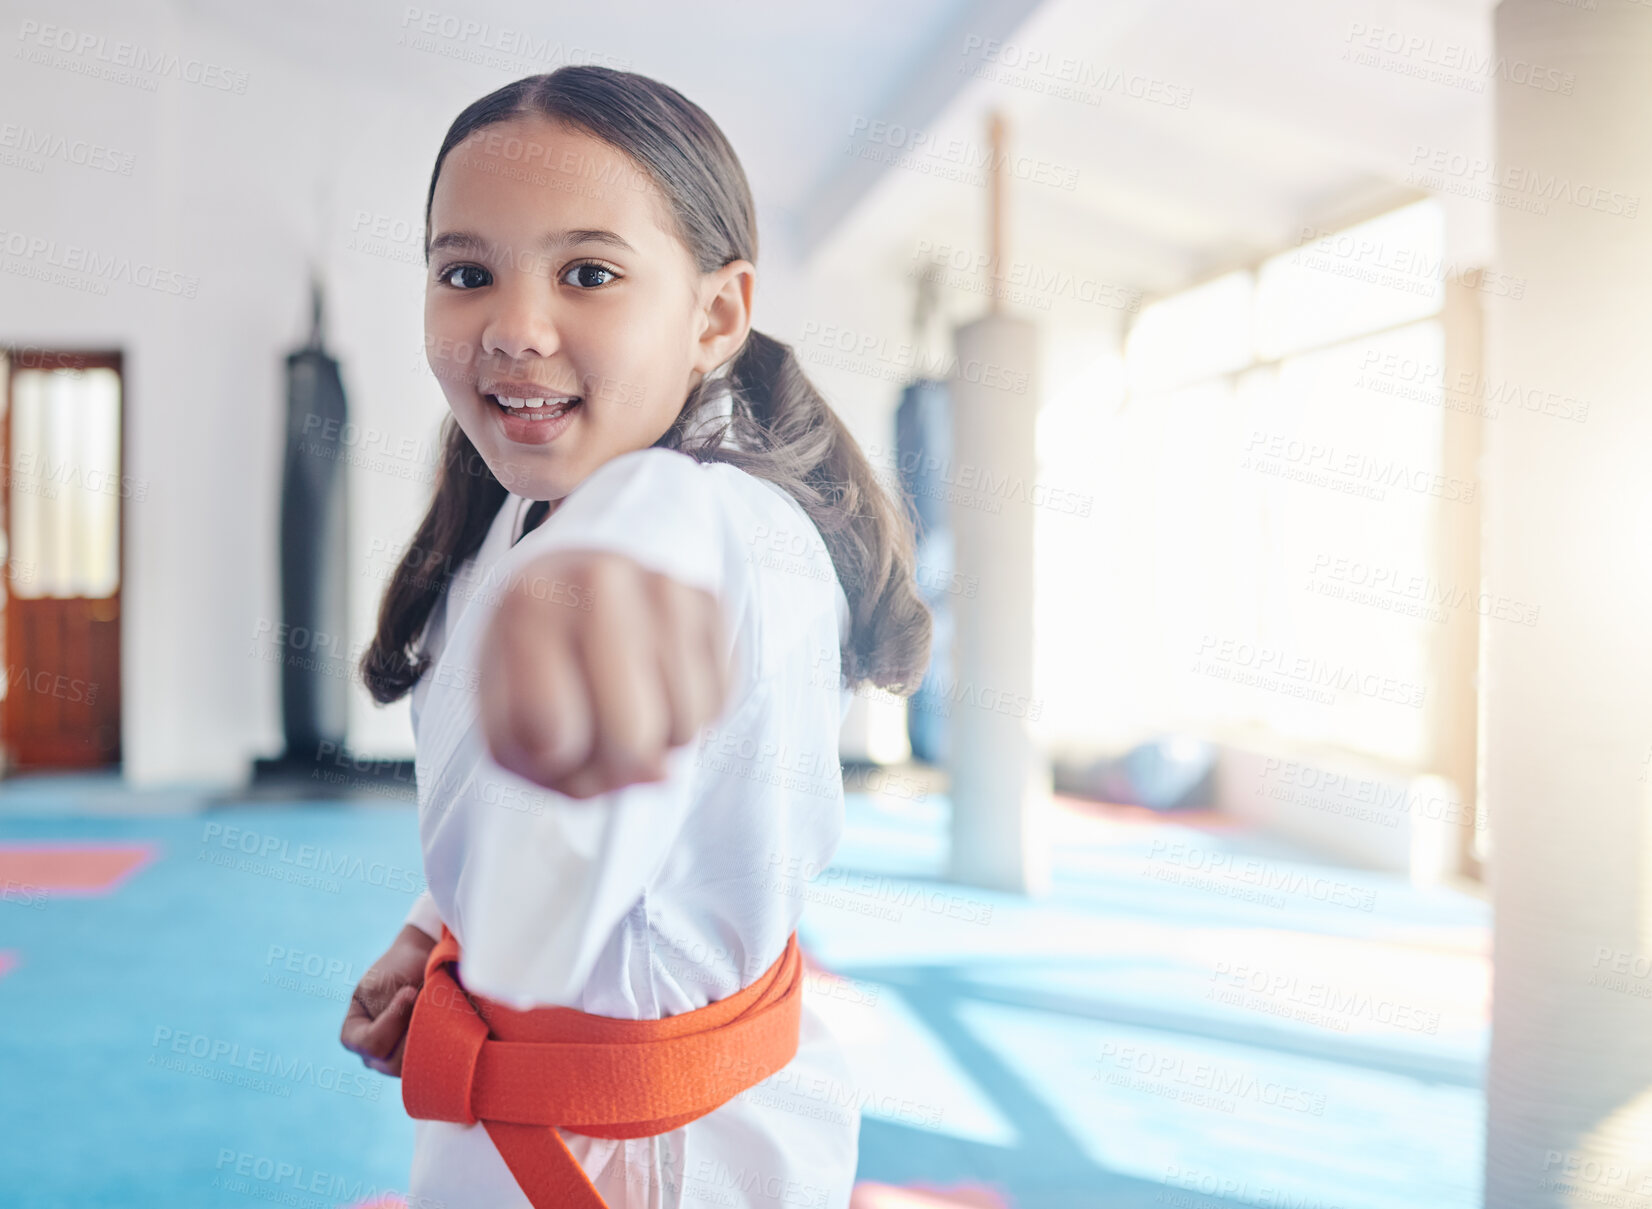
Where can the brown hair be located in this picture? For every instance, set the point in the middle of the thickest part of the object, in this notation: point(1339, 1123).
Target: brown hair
point(784, 430)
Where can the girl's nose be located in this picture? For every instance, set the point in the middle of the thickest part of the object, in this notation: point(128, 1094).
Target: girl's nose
point(520, 326)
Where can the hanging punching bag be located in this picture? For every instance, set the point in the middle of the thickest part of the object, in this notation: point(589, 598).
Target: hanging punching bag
point(923, 445)
point(315, 665)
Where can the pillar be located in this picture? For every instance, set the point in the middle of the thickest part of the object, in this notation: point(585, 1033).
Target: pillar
point(1568, 527)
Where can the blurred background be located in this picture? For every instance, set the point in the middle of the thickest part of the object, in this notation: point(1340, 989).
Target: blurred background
point(1265, 382)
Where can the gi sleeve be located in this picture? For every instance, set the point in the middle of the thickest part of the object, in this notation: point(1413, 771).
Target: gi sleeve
point(548, 877)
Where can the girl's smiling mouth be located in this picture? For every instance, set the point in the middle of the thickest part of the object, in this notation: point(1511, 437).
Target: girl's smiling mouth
point(531, 414)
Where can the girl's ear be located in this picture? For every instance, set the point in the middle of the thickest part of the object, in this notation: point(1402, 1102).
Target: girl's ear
point(725, 315)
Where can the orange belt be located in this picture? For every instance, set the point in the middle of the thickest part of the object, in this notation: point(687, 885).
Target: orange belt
point(468, 1058)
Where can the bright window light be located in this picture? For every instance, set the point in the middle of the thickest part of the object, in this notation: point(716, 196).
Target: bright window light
point(1191, 335)
point(1338, 284)
point(65, 476)
point(1260, 552)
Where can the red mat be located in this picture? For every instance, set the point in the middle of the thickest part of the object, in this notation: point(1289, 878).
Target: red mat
point(72, 870)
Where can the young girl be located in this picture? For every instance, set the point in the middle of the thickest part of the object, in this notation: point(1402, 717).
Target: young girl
point(654, 569)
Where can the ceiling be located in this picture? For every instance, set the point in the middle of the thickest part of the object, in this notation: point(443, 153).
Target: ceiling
point(1248, 123)
point(1291, 121)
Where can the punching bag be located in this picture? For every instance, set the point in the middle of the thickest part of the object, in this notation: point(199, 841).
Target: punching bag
point(923, 450)
point(315, 664)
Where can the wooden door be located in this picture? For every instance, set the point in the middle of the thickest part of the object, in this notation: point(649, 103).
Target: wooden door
point(62, 521)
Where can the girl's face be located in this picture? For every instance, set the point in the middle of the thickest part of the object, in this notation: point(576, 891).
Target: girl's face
point(555, 275)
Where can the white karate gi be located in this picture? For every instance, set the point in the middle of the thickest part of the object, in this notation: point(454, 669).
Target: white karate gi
point(659, 898)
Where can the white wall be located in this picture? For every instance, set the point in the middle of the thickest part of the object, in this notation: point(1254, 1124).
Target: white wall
point(242, 191)
point(202, 373)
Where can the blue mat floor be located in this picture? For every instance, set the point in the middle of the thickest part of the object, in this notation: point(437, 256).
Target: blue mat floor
point(1192, 1017)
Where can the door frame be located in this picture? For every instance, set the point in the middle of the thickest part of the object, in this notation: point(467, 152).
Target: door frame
point(37, 357)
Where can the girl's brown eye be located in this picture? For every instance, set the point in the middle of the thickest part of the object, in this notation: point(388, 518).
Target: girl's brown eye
point(466, 277)
point(588, 267)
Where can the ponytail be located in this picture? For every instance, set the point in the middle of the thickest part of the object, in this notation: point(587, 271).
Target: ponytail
point(467, 498)
point(786, 432)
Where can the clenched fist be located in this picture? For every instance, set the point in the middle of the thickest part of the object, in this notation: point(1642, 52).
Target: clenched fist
point(376, 1023)
point(584, 700)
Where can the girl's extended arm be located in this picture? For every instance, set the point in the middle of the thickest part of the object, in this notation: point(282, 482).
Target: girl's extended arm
point(619, 643)
point(585, 701)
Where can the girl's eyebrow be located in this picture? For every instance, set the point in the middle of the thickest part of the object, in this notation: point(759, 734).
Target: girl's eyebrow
point(469, 241)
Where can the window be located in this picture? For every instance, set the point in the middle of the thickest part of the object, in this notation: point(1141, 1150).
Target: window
point(65, 473)
point(1267, 482)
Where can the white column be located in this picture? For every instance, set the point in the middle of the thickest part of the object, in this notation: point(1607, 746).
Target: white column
point(1568, 527)
point(1442, 843)
point(1000, 780)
